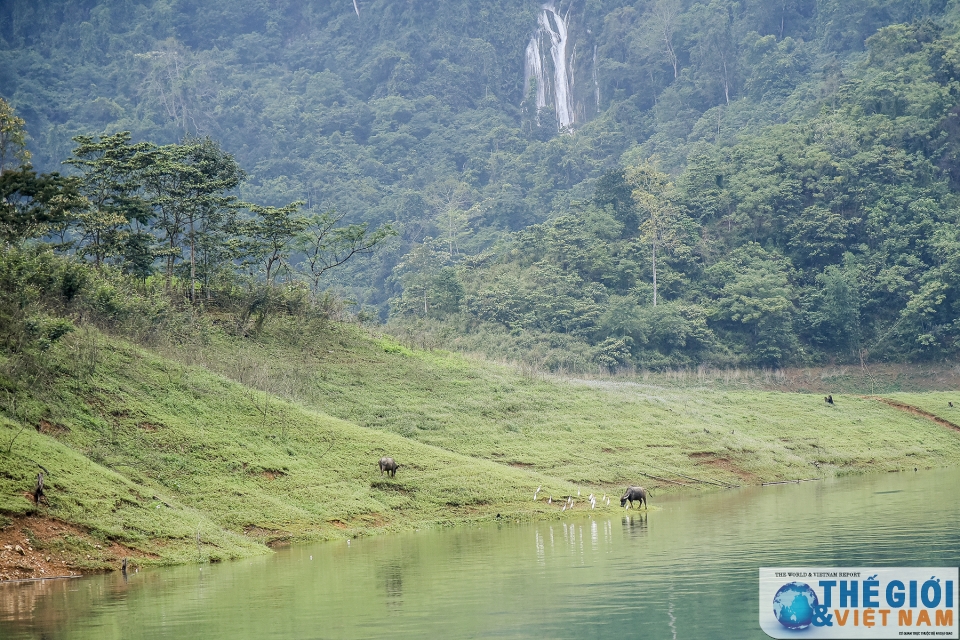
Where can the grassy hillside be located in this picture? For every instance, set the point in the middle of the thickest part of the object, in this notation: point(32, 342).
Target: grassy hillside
point(251, 442)
point(601, 432)
point(147, 452)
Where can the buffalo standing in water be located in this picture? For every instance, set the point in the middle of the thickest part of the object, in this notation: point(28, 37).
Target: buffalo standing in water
point(634, 493)
point(389, 465)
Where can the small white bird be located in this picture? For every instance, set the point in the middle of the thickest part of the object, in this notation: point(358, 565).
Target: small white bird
point(578, 493)
point(550, 500)
point(563, 509)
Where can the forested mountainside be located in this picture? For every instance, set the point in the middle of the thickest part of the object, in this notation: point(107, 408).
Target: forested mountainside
point(581, 183)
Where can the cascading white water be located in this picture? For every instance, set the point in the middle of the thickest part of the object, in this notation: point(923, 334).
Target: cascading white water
point(533, 71)
point(596, 83)
point(546, 53)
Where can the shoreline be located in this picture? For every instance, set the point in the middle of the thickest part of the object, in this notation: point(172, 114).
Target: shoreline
point(39, 534)
point(167, 460)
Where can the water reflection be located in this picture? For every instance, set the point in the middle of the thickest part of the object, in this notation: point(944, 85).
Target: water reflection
point(667, 573)
point(391, 575)
point(635, 525)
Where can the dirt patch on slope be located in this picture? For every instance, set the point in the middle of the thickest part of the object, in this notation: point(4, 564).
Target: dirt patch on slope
point(710, 459)
point(270, 537)
point(917, 411)
point(394, 487)
point(36, 546)
point(52, 428)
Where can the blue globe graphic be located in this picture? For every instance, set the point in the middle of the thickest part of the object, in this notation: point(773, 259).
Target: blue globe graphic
point(794, 605)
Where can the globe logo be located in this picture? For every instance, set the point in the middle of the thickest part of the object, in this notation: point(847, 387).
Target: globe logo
point(793, 605)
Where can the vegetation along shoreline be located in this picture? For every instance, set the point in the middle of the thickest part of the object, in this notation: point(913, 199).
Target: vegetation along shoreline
point(162, 455)
point(294, 272)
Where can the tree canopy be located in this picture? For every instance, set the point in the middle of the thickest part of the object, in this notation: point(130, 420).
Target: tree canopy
point(804, 155)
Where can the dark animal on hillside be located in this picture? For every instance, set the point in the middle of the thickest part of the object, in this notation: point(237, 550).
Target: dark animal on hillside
point(951, 404)
point(634, 493)
point(38, 493)
point(389, 465)
point(829, 399)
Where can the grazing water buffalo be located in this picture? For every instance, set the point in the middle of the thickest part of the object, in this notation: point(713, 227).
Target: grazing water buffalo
point(634, 493)
point(389, 465)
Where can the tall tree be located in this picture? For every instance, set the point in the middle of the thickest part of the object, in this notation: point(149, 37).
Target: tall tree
point(212, 174)
point(111, 171)
point(325, 245)
point(268, 237)
point(30, 205)
point(663, 25)
point(450, 199)
point(167, 179)
point(661, 221)
point(13, 139)
point(188, 187)
point(417, 273)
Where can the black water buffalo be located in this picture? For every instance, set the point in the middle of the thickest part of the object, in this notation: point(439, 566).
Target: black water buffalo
point(389, 465)
point(634, 493)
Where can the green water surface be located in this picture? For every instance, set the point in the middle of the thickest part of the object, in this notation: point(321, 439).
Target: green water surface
point(686, 570)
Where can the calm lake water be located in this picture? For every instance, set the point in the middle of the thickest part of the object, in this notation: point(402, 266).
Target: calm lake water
point(687, 570)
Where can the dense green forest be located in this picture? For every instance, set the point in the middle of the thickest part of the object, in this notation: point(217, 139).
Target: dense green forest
point(727, 182)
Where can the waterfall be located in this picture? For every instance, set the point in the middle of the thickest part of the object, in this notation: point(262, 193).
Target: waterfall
point(533, 71)
point(596, 83)
point(548, 66)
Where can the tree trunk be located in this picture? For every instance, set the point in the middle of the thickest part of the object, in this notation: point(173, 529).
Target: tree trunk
point(170, 264)
point(206, 276)
point(726, 84)
point(193, 266)
point(654, 273)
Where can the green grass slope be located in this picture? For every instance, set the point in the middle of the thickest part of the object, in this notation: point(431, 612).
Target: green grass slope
point(147, 452)
point(942, 407)
point(247, 442)
point(604, 433)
